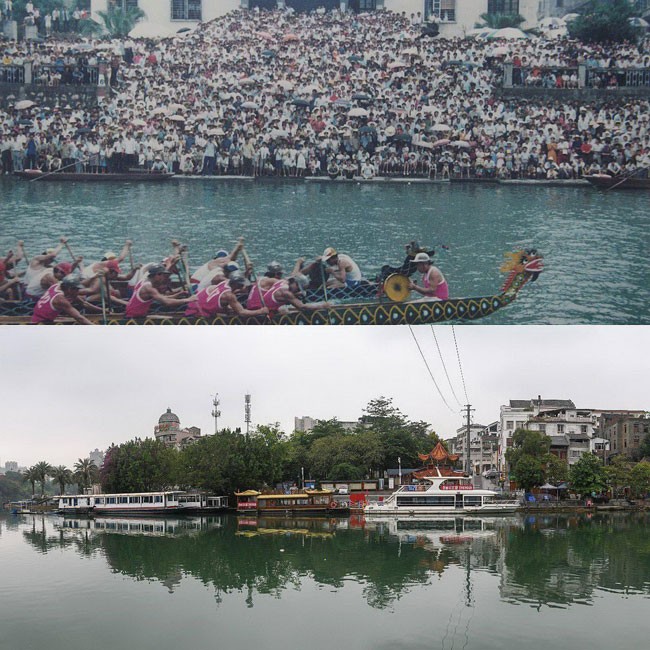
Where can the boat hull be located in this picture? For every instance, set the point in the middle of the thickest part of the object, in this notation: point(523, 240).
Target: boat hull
point(489, 509)
point(56, 177)
point(619, 183)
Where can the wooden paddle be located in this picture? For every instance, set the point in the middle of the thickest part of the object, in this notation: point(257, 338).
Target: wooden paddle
point(249, 264)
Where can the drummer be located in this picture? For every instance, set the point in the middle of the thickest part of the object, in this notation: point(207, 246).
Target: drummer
point(434, 284)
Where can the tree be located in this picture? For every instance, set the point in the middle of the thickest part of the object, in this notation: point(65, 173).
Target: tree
point(30, 476)
point(605, 21)
point(528, 457)
point(588, 475)
point(117, 22)
point(644, 448)
point(556, 470)
point(499, 21)
point(62, 476)
point(618, 474)
point(42, 470)
point(640, 479)
point(528, 472)
point(86, 472)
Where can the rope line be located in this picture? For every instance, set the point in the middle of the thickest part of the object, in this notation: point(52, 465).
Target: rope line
point(435, 383)
point(444, 367)
point(462, 376)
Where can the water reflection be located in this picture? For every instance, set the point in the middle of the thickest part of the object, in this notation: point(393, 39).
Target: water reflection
point(540, 561)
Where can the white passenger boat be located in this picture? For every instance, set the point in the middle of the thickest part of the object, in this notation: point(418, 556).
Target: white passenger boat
point(139, 503)
point(441, 493)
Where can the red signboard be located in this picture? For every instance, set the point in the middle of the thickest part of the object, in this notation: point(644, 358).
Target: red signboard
point(463, 486)
point(247, 505)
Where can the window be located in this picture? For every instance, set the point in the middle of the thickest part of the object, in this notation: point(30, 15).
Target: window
point(186, 9)
point(560, 428)
point(123, 4)
point(503, 6)
point(158, 498)
point(541, 428)
point(110, 500)
point(509, 424)
point(443, 10)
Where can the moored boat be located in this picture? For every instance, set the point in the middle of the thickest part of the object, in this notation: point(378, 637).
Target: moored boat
point(86, 177)
point(141, 503)
point(441, 493)
point(303, 502)
point(607, 182)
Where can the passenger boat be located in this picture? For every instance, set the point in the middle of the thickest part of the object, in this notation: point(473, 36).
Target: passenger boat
point(86, 177)
point(441, 493)
point(312, 502)
point(141, 503)
point(607, 182)
point(390, 306)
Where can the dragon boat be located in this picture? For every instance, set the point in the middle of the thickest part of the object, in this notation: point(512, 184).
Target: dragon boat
point(629, 182)
point(388, 306)
point(86, 177)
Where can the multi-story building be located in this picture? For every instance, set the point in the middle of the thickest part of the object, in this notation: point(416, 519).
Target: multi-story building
point(454, 17)
point(97, 457)
point(483, 447)
point(306, 423)
point(11, 466)
point(168, 430)
point(518, 413)
point(625, 434)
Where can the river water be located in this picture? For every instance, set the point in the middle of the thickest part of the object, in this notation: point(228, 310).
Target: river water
point(242, 583)
point(595, 243)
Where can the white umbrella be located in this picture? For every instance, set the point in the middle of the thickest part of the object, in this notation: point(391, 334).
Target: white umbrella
point(251, 105)
point(159, 110)
point(480, 32)
point(138, 122)
point(358, 112)
point(569, 17)
point(286, 84)
point(151, 30)
point(174, 108)
point(440, 128)
point(501, 50)
point(411, 51)
point(460, 143)
point(246, 81)
point(217, 131)
point(397, 64)
point(23, 104)
point(509, 33)
point(638, 22)
point(279, 133)
point(176, 118)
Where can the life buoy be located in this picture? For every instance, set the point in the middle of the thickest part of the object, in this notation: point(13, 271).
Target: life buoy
point(333, 505)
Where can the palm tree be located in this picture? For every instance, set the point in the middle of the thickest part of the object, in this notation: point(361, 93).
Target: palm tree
point(117, 22)
point(43, 470)
point(499, 21)
point(63, 476)
point(86, 472)
point(29, 475)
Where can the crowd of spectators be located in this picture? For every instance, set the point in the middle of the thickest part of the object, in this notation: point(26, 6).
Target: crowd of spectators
point(329, 93)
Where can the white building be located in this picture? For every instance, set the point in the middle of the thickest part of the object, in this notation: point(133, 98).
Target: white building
point(168, 430)
point(483, 447)
point(306, 423)
point(455, 17)
point(97, 457)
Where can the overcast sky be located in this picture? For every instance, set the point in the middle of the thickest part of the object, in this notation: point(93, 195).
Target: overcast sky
point(68, 390)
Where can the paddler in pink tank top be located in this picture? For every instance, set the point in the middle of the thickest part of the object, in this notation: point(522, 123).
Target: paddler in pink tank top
point(434, 284)
point(281, 293)
point(153, 289)
point(222, 299)
point(57, 301)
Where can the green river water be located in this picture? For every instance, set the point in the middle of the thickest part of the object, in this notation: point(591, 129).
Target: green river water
point(595, 243)
point(242, 583)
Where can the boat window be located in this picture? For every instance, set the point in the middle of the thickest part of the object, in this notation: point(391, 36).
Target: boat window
point(472, 500)
point(134, 499)
point(419, 501)
point(123, 499)
point(158, 498)
point(99, 500)
point(148, 499)
point(110, 499)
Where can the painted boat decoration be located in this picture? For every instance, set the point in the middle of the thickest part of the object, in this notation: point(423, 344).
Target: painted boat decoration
point(37, 175)
point(607, 182)
point(388, 307)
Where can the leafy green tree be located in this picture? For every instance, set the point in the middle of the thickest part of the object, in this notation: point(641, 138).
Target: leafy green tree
point(42, 470)
point(528, 457)
point(86, 472)
point(644, 448)
point(605, 21)
point(556, 470)
point(618, 474)
point(117, 22)
point(640, 479)
point(62, 476)
point(528, 472)
point(588, 475)
point(499, 21)
point(12, 487)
